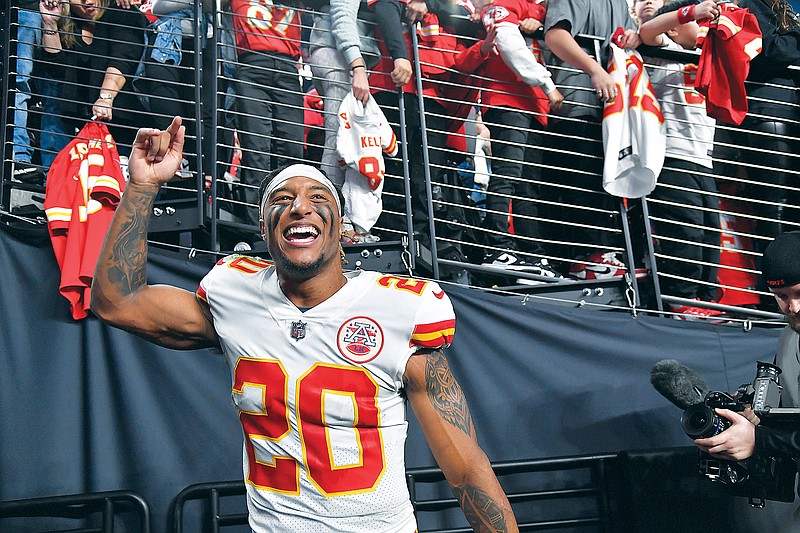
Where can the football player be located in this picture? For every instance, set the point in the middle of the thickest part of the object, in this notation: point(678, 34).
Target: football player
point(321, 361)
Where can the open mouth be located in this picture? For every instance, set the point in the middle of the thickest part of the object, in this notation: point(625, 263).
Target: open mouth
point(302, 234)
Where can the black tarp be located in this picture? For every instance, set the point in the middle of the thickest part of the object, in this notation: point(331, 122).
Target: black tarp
point(85, 407)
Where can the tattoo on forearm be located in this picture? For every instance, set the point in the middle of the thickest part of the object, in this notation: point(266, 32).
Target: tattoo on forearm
point(482, 512)
point(127, 268)
point(445, 393)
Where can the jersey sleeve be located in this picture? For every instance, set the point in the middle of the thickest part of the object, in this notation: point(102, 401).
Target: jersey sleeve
point(232, 263)
point(435, 321)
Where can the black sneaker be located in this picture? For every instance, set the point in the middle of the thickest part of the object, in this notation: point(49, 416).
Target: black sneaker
point(509, 261)
point(28, 172)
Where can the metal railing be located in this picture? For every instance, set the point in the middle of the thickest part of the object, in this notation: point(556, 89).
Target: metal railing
point(96, 512)
point(444, 233)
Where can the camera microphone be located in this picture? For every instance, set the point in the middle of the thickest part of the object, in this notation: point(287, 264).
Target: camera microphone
point(678, 383)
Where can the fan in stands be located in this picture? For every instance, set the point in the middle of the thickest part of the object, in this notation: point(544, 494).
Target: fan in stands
point(601, 265)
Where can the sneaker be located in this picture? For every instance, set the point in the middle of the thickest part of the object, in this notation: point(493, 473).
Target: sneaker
point(509, 261)
point(600, 265)
point(541, 267)
point(690, 312)
point(364, 238)
point(184, 172)
point(28, 172)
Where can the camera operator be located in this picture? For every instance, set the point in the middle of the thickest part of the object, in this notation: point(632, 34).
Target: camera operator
point(745, 437)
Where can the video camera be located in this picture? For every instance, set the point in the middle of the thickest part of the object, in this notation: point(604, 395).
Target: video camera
point(762, 395)
point(759, 478)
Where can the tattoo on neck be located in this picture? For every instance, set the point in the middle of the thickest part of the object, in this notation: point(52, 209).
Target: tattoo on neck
point(482, 512)
point(445, 393)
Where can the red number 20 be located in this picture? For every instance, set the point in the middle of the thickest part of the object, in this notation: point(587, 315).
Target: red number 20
point(271, 423)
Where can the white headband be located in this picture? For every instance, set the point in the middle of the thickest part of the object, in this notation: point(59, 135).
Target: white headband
point(299, 170)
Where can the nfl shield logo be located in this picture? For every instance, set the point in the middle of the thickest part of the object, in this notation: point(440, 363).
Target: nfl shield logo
point(298, 330)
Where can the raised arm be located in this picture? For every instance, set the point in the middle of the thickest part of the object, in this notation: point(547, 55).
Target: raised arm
point(652, 31)
point(441, 408)
point(169, 316)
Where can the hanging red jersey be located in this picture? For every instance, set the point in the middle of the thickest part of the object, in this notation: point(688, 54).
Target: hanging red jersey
point(261, 26)
point(84, 186)
point(728, 45)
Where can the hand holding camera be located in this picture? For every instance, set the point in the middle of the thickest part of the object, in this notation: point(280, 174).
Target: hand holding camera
point(723, 426)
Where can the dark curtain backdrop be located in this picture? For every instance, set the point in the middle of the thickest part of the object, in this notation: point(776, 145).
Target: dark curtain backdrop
point(85, 407)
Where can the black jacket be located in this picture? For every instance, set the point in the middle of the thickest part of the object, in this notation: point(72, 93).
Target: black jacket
point(779, 50)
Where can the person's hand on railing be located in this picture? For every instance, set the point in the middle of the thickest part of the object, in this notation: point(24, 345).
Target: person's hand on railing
point(416, 11)
point(529, 25)
point(555, 98)
point(631, 40)
point(706, 10)
point(402, 71)
point(479, 6)
point(126, 4)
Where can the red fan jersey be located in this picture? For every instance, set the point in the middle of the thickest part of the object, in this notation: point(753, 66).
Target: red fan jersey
point(84, 186)
point(501, 86)
point(728, 43)
point(737, 274)
point(261, 26)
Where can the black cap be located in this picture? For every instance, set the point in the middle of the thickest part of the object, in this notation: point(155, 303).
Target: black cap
point(781, 262)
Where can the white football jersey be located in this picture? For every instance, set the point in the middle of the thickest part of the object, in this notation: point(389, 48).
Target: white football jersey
point(690, 131)
point(634, 137)
point(363, 137)
point(318, 393)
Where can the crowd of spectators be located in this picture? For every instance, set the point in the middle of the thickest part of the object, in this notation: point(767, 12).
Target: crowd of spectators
point(519, 70)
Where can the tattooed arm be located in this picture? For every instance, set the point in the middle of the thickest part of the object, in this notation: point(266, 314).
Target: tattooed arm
point(441, 408)
point(168, 316)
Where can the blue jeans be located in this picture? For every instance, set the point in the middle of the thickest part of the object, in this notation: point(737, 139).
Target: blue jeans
point(29, 34)
point(55, 133)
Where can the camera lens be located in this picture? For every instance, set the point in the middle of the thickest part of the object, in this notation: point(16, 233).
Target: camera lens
point(700, 422)
point(767, 370)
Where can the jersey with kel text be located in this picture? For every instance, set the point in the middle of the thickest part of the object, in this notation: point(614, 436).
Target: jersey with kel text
point(318, 393)
point(261, 26)
point(363, 137)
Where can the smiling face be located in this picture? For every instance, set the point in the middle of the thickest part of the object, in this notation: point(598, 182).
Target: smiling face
point(302, 225)
point(788, 299)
